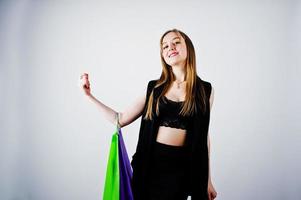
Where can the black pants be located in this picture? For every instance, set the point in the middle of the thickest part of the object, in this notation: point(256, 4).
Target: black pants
point(169, 180)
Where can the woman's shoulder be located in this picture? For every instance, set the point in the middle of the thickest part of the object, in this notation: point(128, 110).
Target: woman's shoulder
point(207, 86)
point(152, 83)
point(206, 83)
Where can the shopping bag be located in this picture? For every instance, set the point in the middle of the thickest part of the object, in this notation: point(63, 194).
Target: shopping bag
point(111, 188)
point(119, 172)
point(125, 170)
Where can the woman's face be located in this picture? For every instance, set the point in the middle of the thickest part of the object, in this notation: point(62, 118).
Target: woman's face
point(174, 49)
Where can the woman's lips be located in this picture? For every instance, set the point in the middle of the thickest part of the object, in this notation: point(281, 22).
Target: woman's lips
point(173, 54)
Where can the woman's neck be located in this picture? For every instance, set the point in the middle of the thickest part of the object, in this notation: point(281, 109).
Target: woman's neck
point(179, 73)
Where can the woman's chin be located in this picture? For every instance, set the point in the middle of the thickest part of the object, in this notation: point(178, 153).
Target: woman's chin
point(175, 62)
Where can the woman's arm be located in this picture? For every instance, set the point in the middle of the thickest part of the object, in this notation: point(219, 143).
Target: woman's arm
point(211, 190)
point(128, 116)
point(208, 141)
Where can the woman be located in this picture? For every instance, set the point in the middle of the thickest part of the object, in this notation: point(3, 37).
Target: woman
point(171, 161)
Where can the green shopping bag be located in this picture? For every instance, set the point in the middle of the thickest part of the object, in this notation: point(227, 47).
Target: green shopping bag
point(119, 171)
point(111, 189)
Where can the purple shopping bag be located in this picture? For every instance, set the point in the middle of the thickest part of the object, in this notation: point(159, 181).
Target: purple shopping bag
point(125, 170)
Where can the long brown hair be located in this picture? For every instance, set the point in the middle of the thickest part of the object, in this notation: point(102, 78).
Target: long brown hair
point(189, 106)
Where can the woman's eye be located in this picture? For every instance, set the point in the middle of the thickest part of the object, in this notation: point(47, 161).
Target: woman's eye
point(164, 47)
point(178, 42)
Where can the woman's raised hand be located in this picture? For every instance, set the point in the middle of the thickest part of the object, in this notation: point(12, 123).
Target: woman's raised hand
point(84, 84)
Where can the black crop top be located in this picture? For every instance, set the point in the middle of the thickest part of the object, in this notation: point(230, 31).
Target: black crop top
point(169, 114)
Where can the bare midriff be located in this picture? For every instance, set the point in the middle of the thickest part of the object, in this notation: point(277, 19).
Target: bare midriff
point(171, 136)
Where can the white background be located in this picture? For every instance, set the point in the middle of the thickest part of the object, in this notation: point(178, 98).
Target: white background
point(54, 143)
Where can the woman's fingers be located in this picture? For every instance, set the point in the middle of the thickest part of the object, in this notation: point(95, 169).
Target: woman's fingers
point(84, 75)
point(84, 81)
point(211, 195)
point(87, 85)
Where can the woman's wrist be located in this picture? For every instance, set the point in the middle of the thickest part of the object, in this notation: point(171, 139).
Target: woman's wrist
point(90, 96)
point(209, 180)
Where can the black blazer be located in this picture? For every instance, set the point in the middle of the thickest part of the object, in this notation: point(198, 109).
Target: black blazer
point(196, 140)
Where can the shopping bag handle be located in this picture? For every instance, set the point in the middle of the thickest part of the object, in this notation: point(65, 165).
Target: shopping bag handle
point(117, 122)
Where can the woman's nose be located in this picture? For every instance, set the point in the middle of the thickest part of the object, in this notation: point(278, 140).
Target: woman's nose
point(171, 46)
